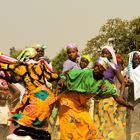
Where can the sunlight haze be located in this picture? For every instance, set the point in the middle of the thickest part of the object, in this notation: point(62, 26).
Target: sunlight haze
point(57, 23)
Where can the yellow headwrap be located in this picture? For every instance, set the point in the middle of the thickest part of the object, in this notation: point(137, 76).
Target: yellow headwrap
point(86, 57)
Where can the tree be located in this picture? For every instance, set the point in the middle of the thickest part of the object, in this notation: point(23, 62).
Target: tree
point(126, 36)
point(58, 61)
point(134, 37)
point(14, 52)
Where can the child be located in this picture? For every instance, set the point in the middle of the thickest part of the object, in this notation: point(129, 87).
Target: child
point(84, 62)
point(72, 61)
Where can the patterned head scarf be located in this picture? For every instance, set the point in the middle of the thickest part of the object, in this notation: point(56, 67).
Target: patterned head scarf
point(103, 61)
point(27, 54)
point(86, 57)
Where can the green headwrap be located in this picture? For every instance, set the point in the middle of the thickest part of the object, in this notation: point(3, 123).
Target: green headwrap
point(27, 54)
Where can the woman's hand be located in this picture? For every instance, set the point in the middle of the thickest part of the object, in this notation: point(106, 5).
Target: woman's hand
point(130, 106)
point(121, 101)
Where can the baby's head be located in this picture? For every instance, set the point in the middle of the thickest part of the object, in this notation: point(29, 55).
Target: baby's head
point(85, 59)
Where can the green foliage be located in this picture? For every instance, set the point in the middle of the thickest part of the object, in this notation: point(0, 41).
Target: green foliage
point(134, 34)
point(14, 52)
point(126, 35)
point(58, 61)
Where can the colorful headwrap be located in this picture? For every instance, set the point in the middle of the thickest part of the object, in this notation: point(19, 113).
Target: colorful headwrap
point(86, 57)
point(27, 54)
point(72, 46)
point(103, 61)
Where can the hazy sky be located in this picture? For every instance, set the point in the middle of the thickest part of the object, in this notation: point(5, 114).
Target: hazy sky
point(57, 23)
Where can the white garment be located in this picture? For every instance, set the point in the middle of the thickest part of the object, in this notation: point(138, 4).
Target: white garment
point(22, 90)
point(90, 104)
point(4, 114)
point(135, 77)
point(15, 137)
point(112, 51)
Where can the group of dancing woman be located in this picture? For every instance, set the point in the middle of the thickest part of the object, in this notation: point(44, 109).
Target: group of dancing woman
point(75, 87)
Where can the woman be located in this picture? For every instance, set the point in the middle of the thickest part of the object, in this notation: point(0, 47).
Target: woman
point(70, 63)
point(35, 108)
point(105, 114)
point(29, 52)
point(72, 60)
point(82, 84)
point(133, 72)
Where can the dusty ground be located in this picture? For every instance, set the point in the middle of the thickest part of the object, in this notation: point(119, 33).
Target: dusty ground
point(133, 130)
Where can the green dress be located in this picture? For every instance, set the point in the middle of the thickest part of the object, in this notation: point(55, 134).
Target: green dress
point(83, 81)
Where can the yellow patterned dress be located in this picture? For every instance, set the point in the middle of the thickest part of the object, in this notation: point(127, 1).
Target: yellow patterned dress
point(37, 103)
point(74, 118)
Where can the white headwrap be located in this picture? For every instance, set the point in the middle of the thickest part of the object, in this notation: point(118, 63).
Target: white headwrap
point(134, 75)
point(112, 51)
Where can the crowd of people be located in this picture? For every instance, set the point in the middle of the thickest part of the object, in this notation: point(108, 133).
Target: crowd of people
point(91, 102)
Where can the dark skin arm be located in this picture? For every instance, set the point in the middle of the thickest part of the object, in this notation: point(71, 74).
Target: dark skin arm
point(62, 82)
point(121, 101)
point(15, 93)
point(121, 80)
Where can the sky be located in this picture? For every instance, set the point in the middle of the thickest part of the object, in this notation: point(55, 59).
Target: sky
point(57, 23)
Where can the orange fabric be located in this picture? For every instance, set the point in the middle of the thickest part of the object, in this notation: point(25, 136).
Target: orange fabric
point(75, 121)
point(32, 108)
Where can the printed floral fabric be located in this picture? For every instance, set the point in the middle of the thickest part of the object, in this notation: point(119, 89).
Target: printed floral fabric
point(35, 108)
point(110, 119)
point(75, 121)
